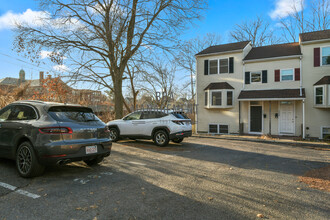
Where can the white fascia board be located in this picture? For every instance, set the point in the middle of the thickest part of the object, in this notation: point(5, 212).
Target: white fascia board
point(273, 58)
point(219, 53)
point(315, 41)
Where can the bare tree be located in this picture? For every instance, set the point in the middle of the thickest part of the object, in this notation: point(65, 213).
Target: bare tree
point(257, 31)
point(159, 82)
point(99, 37)
point(188, 50)
point(299, 20)
point(294, 22)
point(320, 18)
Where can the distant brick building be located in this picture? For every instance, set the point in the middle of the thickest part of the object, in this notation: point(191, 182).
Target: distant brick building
point(92, 98)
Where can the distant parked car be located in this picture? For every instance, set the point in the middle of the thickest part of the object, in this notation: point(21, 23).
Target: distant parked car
point(159, 126)
point(37, 134)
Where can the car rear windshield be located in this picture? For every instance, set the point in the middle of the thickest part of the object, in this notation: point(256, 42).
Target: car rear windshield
point(72, 114)
point(179, 115)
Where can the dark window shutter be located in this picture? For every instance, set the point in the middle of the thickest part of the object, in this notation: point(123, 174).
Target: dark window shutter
point(247, 77)
point(231, 64)
point(264, 76)
point(297, 74)
point(316, 57)
point(206, 67)
point(277, 75)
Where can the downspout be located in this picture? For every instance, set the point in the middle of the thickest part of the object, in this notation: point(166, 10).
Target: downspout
point(300, 65)
point(196, 99)
point(243, 75)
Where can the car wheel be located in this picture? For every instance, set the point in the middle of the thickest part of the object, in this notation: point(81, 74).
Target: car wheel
point(177, 140)
point(114, 134)
point(94, 162)
point(27, 162)
point(161, 138)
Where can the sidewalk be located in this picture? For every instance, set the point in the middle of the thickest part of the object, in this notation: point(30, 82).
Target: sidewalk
point(264, 139)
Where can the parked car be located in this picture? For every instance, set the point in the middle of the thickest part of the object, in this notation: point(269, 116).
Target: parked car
point(37, 134)
point(159, 126)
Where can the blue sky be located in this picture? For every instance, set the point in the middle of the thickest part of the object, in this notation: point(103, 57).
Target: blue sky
point(220, 18)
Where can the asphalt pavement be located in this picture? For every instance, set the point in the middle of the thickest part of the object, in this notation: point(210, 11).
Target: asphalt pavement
point(202, 178)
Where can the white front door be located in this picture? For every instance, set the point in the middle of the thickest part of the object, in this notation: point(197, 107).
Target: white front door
point(287, 124)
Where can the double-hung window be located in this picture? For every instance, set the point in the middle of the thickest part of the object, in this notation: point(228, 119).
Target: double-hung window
point(325, 56)
point(224, 65)
point(216, 98)
point(319, 95)
point(229, 98)
point(213, 66)
point(287, 75)
point(255, 77)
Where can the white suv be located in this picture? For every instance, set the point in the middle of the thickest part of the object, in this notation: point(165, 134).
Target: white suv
point(157, 125)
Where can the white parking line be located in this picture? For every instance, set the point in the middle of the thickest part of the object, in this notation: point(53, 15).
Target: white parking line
point(22, 192)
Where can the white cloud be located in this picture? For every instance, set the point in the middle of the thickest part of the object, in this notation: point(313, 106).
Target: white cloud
point(37, 19)
point(47, 54)
point(61, 68)
point(284, 8)
point(29, 17)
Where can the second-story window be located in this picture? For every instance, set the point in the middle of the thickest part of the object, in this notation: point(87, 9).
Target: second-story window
point(287, 75)
point(325, 56)
point(255, 77)
point(223, 65)
point(213, 66)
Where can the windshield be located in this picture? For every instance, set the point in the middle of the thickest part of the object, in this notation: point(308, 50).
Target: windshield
point(72, 114)
point(180, 115)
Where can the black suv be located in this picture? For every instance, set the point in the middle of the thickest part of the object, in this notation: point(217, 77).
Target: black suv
point(37, 134)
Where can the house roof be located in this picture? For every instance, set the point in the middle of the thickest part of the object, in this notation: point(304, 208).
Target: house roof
point(219, 85)
point(9, 81)
point(271, 51)
point(324, 81)
point(316, 35)
point(224, 48)
point(272, 94)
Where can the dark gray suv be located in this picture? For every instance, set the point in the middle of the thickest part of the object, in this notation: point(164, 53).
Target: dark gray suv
point(37, 134)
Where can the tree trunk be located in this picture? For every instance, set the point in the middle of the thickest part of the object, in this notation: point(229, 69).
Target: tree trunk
point(119, 100)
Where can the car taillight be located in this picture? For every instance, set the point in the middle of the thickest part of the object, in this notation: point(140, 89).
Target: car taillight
point(55, 130)
point(178, 122)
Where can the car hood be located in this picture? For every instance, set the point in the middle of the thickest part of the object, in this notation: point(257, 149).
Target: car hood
point(114, 121)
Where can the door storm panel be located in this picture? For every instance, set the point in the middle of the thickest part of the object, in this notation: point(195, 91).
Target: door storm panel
point(256, 118)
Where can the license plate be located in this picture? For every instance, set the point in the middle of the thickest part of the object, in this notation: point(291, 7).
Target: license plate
point(91, 149)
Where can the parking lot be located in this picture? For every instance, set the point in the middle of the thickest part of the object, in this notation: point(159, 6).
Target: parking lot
point(202, 178)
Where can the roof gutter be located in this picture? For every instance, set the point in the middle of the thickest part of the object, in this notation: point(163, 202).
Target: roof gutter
point(315, 41)
point(269, 99)
point(273, 58)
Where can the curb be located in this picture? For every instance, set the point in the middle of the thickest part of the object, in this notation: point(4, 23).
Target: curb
point(292, 143)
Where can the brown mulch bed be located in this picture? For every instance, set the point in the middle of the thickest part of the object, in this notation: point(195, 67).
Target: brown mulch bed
point(318, 178)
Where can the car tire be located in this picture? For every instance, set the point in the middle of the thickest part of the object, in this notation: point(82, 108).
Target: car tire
point(114, 134)
point(177, 140)
point(27, 163)
point(94, 162)
point(161, 138)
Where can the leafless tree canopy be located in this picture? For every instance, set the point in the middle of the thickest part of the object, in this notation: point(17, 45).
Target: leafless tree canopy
point(158, 81)
point(301, 21)
point(186, 55)
point(257, 31)
point(99, 37)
